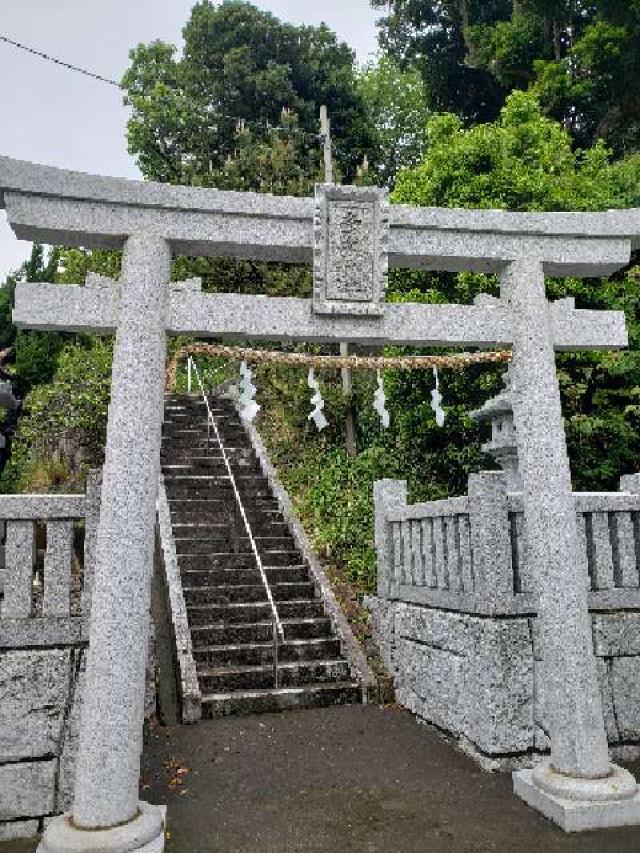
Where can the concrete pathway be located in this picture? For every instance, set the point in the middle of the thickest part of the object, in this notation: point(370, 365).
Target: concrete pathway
point(346, 779)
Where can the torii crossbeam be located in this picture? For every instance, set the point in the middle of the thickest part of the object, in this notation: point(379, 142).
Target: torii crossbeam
point(350, 236)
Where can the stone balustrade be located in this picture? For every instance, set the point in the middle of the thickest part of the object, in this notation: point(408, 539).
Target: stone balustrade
point(43, 642)
point(455, 614)
point(431, 559)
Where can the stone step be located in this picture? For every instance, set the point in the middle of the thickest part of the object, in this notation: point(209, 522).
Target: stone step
point(261, 654)
point(235, 455)
point(202, 562)
point(197, 408)
point(249, 494)
point(290, 674)
point(225, 506)
point(219, 530)
point(237, 559)
point(220, 577)
point(238, 545)
point(229, 615)
point(242, 478)
point(184, 513)
point(256, 632)
point(219, 511)
point(272, 559)
point(211, 614)
point(210, 466)
point(186, 421)
point(255, 592)
point(230, 438)
point(238, 577)
point(267, 701)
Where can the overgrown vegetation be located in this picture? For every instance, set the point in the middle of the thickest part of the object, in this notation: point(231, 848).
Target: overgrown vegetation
point(516, 105)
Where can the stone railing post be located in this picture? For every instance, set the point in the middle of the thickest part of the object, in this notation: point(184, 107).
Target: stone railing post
point(107, 813)
point(387, 495)
point(630, 483)
point(490, 537)
point(578, 770)
point(91, 520)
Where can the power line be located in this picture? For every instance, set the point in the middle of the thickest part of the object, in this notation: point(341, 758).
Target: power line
point(240, 122)
point(57, 61)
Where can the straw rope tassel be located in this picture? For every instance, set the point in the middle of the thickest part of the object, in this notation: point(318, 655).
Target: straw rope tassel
point(249, 406)
point(317, 415)
point(436, 400)
point(455, 361)
point(380, 402)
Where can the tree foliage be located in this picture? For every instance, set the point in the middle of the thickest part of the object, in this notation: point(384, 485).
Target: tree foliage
point(36, 353)
point(582, 57)
point(62, 431)
point(523, 161)
point(434, 39)
point(397, 114)
point(239, 110)
point(240, 68)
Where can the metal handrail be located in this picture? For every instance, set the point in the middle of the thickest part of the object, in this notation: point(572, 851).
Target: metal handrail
point(277, 629)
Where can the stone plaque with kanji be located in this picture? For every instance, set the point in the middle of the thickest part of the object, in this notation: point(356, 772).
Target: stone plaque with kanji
point(350, 252)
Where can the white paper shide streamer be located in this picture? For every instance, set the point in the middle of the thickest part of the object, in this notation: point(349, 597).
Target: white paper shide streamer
point(436, 400)
point(317, 415)
point(380, 403)
point(249, 406)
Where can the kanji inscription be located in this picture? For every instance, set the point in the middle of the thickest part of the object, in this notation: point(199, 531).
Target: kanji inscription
point(350, 260)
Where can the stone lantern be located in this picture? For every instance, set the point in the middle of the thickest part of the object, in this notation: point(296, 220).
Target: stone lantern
point(502, 447)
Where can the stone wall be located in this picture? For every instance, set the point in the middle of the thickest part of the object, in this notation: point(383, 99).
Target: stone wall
point(44, 596)
point(40, 700)
point(477, 677)
point(40, 692)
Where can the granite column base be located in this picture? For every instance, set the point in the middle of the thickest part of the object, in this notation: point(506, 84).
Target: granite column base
point(143, 834)
point(577, 804)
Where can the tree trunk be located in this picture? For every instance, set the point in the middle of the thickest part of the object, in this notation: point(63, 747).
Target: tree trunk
point(350, 418)
point(466, 20)
point(557, 43)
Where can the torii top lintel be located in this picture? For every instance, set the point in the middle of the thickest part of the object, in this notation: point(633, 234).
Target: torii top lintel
point(72, 208)
point(349, 234)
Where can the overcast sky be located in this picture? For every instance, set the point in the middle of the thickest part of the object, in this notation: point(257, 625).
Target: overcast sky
point(50, 115)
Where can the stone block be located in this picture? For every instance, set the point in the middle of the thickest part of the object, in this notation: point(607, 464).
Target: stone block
point(382, 619)
point(70, 736)
point(18, 829)
point(616, 634)
point(606, 692)
point(625, 681)
point(437, 628)
point(27, 789)
point(33, 692)
point(436, 677)
point(499, 694)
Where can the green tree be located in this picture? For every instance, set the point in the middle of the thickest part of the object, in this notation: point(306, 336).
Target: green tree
point(239, 65)
point(397, 112)
point(434, 38)
point(36, 353)
point(240, 110)
point(62, 430)
point(523, 161)
point(582, 57)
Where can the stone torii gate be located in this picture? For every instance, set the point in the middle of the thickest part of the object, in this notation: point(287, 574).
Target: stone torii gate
point(350, 236)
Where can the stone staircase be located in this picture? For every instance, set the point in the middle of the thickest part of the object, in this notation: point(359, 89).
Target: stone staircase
point(229, 614)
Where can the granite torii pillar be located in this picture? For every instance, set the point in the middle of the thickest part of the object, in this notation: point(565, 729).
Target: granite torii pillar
point(349, 235)
point(106, 797)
